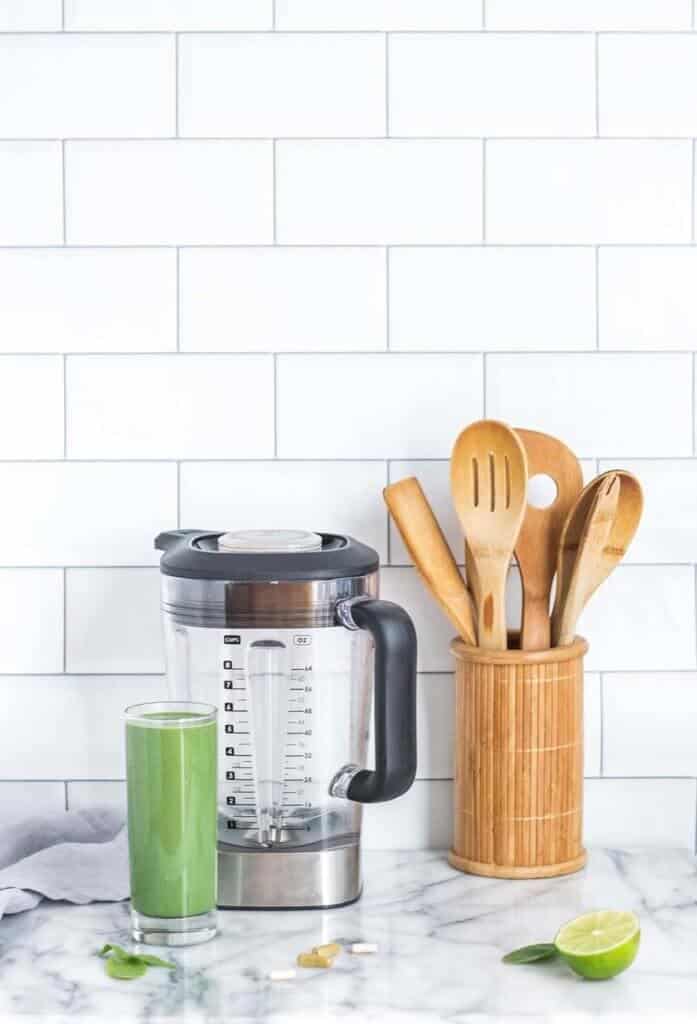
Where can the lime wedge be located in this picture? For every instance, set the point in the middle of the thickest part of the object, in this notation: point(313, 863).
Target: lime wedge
point(600, 945)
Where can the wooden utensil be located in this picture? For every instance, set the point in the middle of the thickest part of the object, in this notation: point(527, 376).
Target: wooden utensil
point(538, 541)
point(596, 536)
point(429, 550)
point(488, 479)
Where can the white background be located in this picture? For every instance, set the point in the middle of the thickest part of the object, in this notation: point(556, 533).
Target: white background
point(256, 261)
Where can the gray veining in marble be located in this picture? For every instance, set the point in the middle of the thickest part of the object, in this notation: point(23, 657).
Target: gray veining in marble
point(441, 936)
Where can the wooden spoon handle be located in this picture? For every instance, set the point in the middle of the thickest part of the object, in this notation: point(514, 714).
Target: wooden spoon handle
point(424, 540)
point(491, 612)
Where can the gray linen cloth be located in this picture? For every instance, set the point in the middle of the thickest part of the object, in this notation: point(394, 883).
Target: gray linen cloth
point(79, 856)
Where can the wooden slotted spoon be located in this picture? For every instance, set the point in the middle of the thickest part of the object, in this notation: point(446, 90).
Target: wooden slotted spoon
point(429, 550)
point(538, 542)
point(488, 480)
point(598, 531)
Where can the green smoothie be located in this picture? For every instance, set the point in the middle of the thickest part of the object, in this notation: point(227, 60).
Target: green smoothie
point(172, 809)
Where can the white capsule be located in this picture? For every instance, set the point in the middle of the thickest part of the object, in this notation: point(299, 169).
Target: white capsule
point(363, 947)
point(281, 975)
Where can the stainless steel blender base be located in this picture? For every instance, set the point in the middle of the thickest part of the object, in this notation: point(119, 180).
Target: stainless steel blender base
point(297, 880)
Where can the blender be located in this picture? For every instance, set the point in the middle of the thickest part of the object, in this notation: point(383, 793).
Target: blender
point(283, 631)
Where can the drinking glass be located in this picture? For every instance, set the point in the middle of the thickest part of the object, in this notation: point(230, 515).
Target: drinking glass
point(171, 758)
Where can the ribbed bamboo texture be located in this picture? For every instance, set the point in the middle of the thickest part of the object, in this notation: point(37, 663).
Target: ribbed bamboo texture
point(518, 761)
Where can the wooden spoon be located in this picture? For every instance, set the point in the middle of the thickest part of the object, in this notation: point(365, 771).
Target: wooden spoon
point(538, 542)
point(488, 480)
point(424, 540)
point(598, 532)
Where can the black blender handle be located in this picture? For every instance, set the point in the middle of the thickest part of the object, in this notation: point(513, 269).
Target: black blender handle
point(394, 638)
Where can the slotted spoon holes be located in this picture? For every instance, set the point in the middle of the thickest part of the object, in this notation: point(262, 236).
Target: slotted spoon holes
point(486, 490)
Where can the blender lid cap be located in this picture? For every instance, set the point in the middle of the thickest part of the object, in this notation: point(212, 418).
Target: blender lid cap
point(203, 554)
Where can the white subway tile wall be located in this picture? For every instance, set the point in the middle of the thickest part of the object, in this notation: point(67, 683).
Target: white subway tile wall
point(258, 258)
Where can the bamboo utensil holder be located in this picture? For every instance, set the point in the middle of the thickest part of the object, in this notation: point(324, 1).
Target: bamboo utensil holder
point(518, 761)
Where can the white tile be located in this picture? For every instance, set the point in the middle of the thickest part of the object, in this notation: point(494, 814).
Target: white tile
point(331, 497)
point(170, 192)
point(650, 722)
point(435, 726)
point(172, 15)
point(31, 407)
point(588, 191)
point(31, 209)
point(378, 14)
point(31, 620)
point(450, 299)
point(84, 795)
point(642, 619)
point(647, 298)
point(104, 604)
point(170, 406)
point(283, 299)
point(419, 820)
point(599, 404)
point(55, 513)
point(591, 15)
point(59, 85)
point(359, 192)
point(21, 800)
point(398, 406)
point(647, 84)
point(640, 812)
point(18, 15)
point(69, 727)
point(88, 300)
point(490, 84)
point(592, 725)
point(434, 632)
point(271, 84)
point(668, 528)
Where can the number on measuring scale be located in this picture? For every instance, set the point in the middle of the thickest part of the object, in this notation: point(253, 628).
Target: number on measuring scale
point(229, 706)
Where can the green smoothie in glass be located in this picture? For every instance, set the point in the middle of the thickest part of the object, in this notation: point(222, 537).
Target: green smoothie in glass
point(171, 759)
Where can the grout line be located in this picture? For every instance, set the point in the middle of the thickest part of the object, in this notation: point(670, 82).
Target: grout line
point(65, 795)
point(602, 725)
point(64, 203)
point(484, 141)
point(596, 75)
point(82, 675)
point(149, 140)
point(177, 280)
point(232, 354)
point(694, 612)
point(140, 567)
point(273, 15)
point(133, 461)
point(597, 298)
point(388, 479)
point(387, 84)
point(62, 15)
point(387, 298)
point(692, 14)
point(273, 188)
point(275, 405)
point(484, 14)
point(344, 245)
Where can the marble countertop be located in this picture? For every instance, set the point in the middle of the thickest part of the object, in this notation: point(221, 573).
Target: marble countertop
point(441, 935)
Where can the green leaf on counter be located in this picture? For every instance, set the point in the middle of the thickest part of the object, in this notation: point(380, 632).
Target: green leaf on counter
point(126, 966)
point(125, 970)
point(155, 961)
point(531, 954)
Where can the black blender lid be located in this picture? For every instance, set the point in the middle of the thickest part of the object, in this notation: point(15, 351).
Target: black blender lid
point(194, 554)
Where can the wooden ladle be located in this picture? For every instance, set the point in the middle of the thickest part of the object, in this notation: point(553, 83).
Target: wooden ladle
point(596, 535)
point(429, 550)
point(488, 479)
point(538, 541)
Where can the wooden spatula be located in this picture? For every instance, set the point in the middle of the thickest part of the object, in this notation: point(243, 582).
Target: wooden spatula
point(424, 540)
point(488, 479)
point(538, 541)
point(598, 531)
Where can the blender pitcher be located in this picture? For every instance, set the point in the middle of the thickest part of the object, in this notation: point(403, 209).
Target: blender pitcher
point(284, 632)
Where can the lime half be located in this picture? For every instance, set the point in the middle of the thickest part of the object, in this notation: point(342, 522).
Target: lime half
point(600, 945)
